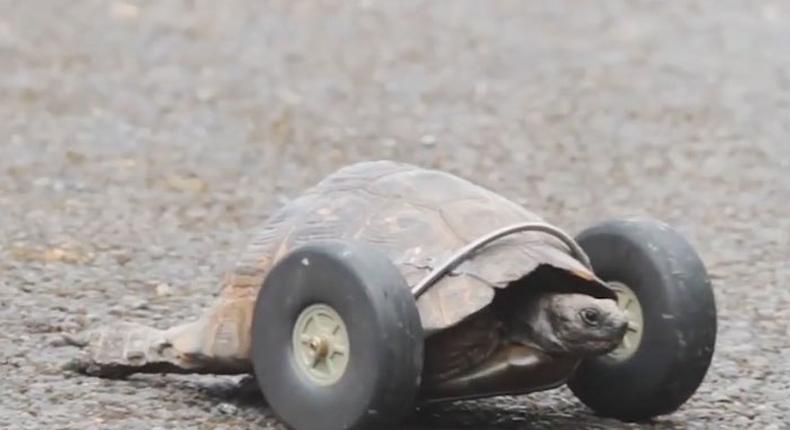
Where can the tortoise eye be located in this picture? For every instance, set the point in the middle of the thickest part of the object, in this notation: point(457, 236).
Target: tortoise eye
point(590, 316)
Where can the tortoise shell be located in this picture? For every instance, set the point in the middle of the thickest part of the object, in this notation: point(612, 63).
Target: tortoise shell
point(418, 217)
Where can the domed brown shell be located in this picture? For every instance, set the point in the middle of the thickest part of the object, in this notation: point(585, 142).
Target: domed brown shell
point(418, 217)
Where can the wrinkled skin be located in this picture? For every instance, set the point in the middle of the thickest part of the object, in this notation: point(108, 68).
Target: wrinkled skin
point(568, 323)
point(563, 325)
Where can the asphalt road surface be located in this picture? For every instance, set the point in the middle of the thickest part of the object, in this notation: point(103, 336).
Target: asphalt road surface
point(141, 143)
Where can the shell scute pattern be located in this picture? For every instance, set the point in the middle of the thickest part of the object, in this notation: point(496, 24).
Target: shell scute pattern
point(418, 218)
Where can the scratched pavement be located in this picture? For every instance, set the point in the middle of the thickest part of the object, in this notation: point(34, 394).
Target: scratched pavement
point(142, 142)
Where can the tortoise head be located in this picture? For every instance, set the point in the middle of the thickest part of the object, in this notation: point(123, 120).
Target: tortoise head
point(574, 324)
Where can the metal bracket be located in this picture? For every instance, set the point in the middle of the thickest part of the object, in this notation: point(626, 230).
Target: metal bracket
point(463, 253)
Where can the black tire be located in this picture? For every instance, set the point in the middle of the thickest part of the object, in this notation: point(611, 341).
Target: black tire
point(382, 377)
point(679, 312)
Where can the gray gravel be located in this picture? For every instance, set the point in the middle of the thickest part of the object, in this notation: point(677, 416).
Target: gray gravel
point(140, 143)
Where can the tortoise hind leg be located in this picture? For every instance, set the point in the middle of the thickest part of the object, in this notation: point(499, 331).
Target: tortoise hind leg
point(217, 343)
point(120, 350)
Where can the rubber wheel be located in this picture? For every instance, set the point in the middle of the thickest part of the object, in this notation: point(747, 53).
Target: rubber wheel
point(678, 315)
point(383, 338)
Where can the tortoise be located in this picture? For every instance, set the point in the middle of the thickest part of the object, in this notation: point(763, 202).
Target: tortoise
point(354, 298)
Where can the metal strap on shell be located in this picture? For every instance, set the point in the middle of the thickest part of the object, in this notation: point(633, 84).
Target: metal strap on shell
point(462, 254)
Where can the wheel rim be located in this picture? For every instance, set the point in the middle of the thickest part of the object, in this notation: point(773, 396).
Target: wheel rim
point(320, 344)
point(628, 302)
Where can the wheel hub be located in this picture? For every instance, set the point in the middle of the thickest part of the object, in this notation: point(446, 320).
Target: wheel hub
point(628, 303)
point(320, 344)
